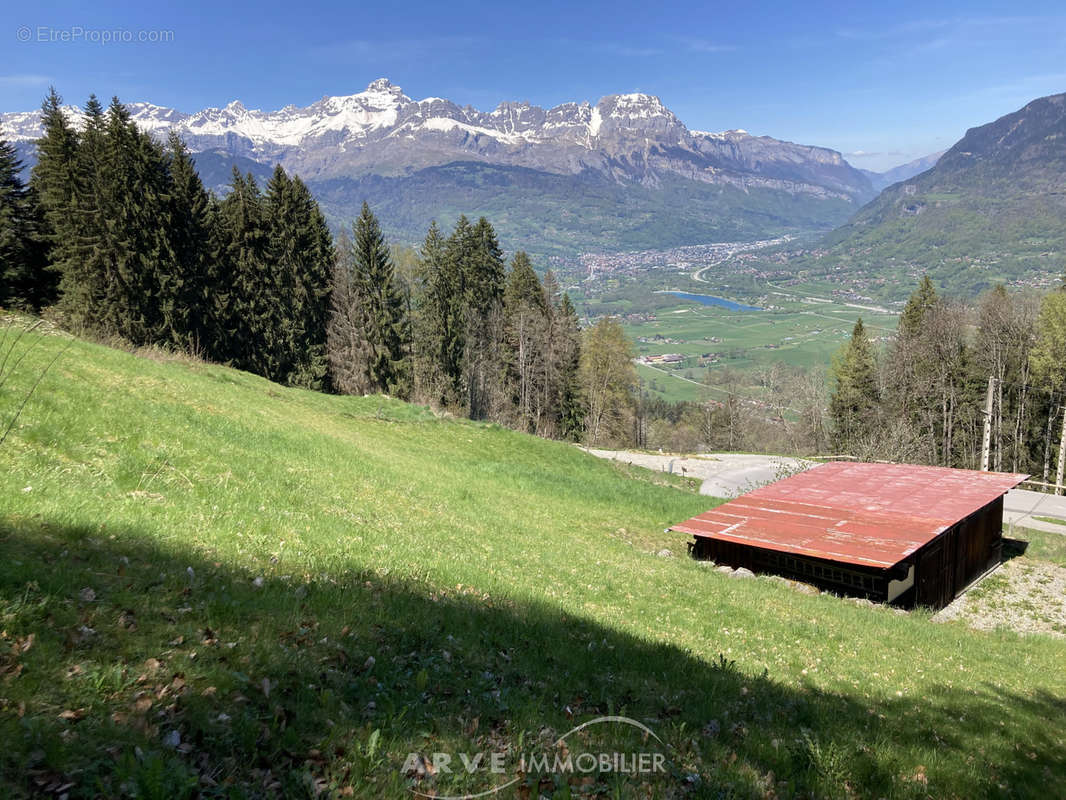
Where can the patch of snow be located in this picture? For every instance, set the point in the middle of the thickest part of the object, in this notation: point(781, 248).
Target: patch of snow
point(594, 122)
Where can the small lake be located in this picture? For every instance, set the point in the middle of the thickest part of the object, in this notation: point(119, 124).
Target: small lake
point(711, 300)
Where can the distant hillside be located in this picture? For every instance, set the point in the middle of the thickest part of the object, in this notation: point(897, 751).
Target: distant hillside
point(553, 214)
point(992, 209)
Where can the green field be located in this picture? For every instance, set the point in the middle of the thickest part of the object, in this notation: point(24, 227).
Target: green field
point(793, 333)
point(215, 586)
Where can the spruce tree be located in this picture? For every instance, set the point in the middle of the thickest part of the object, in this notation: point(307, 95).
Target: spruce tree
point(483, 267)
point(920, 302)
point(347, 345)
point(243, 335)
point(297, 273)
point(55, 182)
point(527, 342)
point(440, 334)
point(315, 281)
point(25, 281)
point(384, 308)
point(81, 248)
point(855, 401)
point(184, 289)
point(136, 205)
point(572, 407)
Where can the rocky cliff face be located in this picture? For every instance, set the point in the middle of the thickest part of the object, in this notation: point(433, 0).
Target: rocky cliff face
point(381, 131)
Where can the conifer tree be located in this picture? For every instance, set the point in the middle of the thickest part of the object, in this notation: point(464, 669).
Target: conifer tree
point(185, 289)
point(572, 408)
point(906, 380)
point(452, 294)
point(80, 233)
point(132, 215)
point(54, 180)
point(483, 271)
point(347, 345)
point(856, 396)
point(920, 302)
point(527, 340)
point(296, 276)
point(367, 294)
point(313, 368)
point(440, 336)
point(241, 330)
point(25, 281)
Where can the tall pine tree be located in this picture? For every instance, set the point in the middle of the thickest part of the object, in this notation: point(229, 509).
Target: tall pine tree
point(856, 397)
point(527, 340)
point(369, 332)
point(25, 281)
point(572, 407)
point(242, 334)
point(483, 267)
point(185, 291)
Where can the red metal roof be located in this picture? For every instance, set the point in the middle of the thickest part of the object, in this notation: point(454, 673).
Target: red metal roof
point(870, 514)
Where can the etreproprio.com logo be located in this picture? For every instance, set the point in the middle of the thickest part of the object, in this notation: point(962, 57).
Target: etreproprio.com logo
point(564, 763)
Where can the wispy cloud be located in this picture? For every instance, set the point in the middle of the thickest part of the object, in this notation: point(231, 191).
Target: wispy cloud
point(24, 81)
point(627, 50)
point(617, 49)
point(920, 36)
point(705, 45)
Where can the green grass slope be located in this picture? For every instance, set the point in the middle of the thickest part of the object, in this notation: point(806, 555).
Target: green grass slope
point(214, 586)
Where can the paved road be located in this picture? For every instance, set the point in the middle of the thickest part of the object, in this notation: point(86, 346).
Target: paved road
point(731, 474)
point(1021, 505)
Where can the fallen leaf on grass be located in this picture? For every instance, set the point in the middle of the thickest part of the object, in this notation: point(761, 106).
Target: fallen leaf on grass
point(73, 715)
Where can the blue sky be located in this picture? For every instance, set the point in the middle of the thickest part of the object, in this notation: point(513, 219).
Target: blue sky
point(881, 82)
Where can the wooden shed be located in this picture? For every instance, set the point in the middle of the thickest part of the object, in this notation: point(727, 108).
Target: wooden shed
point(899, 533)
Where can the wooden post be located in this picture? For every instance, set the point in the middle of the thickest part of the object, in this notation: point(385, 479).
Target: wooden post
point(1062, 453)
point(987, 441)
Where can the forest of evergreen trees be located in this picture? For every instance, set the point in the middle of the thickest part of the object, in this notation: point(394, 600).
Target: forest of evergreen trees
point(115, 237)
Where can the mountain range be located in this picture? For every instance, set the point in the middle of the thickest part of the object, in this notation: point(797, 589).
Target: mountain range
point(624, 173)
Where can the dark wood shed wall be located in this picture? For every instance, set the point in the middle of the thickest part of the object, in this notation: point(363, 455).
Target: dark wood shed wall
point(958, 556)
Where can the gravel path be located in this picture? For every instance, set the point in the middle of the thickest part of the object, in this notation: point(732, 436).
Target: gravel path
point(1023, 595)
point(723, 474)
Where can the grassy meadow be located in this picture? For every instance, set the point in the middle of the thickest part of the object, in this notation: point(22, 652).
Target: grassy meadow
point(214, 586)
point(795, 335)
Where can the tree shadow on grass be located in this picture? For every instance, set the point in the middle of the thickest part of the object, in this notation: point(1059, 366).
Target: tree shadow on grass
point(156, 674)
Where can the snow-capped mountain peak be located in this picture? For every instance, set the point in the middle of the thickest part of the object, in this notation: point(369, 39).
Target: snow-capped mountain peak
point(381, 130)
